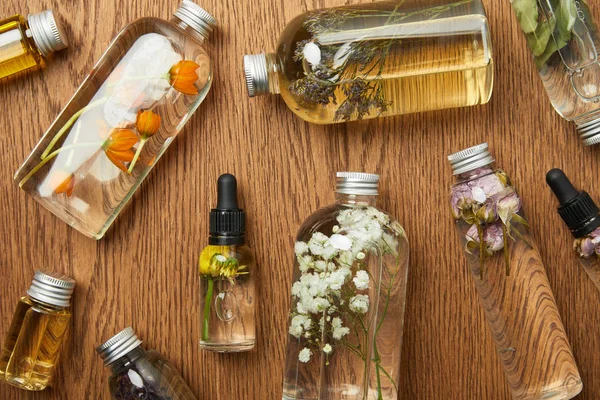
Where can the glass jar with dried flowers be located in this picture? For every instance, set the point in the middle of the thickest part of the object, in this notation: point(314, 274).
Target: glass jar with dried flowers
point(140, 94)
point(378, 59)
point(582, 216)
point(564, 40)
point(348, 297)
point(140, 374)
point(511, 280)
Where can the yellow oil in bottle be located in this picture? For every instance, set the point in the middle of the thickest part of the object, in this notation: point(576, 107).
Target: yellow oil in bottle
point(33, 343)
point(380, 59)
point(25, 43)
point(17, 51)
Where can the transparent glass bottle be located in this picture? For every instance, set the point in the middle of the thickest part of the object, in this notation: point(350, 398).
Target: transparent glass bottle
point(226, 266)
point(140, 374)
point(347, 299)
point(145, 87)
point(582, 216)
point(26, 43)
point(564, 40)
point(36, 333)
point(511, 280)
point(378, 59)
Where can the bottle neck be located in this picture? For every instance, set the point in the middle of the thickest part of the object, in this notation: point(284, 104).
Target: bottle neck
point(475, 173)
point(355, 199)
point(201, 37)
point(45, 305)
point(127, 359)
point(273, 70)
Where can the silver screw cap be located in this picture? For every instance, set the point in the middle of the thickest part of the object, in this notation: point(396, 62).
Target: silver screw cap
point(357, 183)
point(196, 17)
point(118, 345)
point(470, 159)
point(590, 132)
point(257, 75)
point(51, 288)
point(46, 32)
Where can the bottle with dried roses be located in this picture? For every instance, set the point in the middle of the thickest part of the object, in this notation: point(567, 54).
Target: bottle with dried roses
point(582, 216)
point(378, 59)
point(510, 278)
point(347, 299)
point(138, 373)
point(139, 95)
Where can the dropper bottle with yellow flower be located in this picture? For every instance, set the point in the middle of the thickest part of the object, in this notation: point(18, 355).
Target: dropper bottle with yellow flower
point(227, 293)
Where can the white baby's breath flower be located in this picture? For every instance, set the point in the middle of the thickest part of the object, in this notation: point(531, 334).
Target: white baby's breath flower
point(305, 263)
point(304, 355)
point(360, 255)
point(361, 280)
point(327, 349)
point(359, 304)
point(300, 248)
point(320, 265)
point(335, 229)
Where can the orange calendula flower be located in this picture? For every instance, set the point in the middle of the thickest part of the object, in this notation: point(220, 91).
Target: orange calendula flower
point(182, 77)
point(147, 123)
point(119, 147)
point(62, 182)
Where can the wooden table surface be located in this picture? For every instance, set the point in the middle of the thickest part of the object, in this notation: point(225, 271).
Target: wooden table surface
point(144, 274)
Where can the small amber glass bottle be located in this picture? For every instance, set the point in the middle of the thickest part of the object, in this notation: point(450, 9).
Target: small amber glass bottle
point(36, 332)
point(27, 42)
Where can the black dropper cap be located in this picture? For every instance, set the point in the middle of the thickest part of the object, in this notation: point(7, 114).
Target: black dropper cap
point(576, 208)
point(227, 220)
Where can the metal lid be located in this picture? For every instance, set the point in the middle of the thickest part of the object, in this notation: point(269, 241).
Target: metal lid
point(257, 75)
point(470, 159)
point(196, 17)
point(590, 132)
point(51, 288)
point(46, 32)
point(357, 183)
point(118, 346)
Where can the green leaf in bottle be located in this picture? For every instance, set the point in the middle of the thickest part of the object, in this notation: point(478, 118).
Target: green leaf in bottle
point(538, 40)
point(527, 14)
point(566, 15)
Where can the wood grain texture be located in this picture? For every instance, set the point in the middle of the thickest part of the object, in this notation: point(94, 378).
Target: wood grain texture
point(143, 272)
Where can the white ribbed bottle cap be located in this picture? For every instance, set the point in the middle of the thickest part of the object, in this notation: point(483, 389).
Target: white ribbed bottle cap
point(51, 288)
point(46, 32)
point(357, 183)
point(257, 75)
point(196, 17)
point(118, 345)
point(590, 132)
point(470, 159)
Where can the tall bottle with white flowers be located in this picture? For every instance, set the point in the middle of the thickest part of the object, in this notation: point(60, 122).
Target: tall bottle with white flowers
point(347, 299)
point(509, 275)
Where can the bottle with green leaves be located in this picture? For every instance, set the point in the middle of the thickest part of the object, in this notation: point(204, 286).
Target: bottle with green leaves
point(564, 40)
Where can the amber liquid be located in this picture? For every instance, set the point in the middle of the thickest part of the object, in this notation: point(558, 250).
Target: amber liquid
point(436, 63)
point(32, 345)
point(17, 52)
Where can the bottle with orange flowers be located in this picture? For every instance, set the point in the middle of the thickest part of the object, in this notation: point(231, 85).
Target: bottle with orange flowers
point(139, 95)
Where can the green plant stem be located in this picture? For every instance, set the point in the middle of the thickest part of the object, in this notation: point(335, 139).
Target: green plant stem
point(51, 156)
point(207, 301)
point(137, 153)
point(68, 125)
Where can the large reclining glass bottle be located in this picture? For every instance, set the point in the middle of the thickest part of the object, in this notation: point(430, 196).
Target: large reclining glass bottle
point(564, 40)
point(347, 308)
point(146, 86)
point(511, 280)
point(378, 59)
